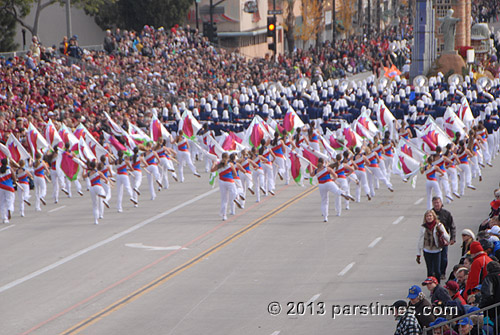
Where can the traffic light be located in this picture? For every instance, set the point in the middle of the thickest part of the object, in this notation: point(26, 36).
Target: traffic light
point(272, 46)
point(214, 33)
point(271, 26)
point(207, 30)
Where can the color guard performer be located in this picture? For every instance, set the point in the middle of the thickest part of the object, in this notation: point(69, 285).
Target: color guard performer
point(7, 191)
point(40, 168)
point(23, 186)
point(183, 156)
point(122, 180)
point(326, 176)
point(97, 193)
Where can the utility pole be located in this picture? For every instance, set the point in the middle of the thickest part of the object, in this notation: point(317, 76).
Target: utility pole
point(334, 22)
point(68, 18)
point(369, 10)
point(196, 9)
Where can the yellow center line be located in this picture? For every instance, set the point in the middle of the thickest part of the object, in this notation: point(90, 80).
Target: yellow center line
point(168, 275)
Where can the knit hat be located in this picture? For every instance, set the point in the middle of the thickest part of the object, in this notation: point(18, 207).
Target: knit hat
point(475, 247)
point(468, 232)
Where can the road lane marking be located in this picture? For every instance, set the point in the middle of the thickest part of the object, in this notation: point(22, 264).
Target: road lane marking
point(193, 261)
point(276, 332)
point(151, 248)
point(313, 299)
point(398, 220)
point(374, 243)
point(419, 201)
point(7, 227)
point(56, 209)
point(103, 242)
point(144, 268)
point(346, 269)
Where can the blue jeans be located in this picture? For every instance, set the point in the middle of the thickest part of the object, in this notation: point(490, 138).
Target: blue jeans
point(444, 260)
point(433, 263)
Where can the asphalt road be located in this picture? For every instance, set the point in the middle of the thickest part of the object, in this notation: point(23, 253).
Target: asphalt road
point(171, 266)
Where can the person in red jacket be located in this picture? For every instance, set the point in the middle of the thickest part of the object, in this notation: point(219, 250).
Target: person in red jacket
point(478, 268)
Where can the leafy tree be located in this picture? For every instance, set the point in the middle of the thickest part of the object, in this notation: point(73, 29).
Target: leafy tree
point(19, 9)
point(346, 12)
point(134, 15)
point(289, 24)
point(312, 17)
point(8, 31)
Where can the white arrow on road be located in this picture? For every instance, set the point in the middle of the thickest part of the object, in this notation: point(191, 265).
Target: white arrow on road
point(151, 248)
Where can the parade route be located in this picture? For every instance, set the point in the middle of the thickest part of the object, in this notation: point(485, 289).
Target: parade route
point(194, 273)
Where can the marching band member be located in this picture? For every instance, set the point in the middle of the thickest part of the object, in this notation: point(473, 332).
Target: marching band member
point(326, 176)
point(451, 168)
point(432, 184)
point(463, 155)
point(360, 162)
point(376, 173)
point(227, 187)
point(122, 180)
point(278, 149)
point(313, 137)
point(40, 167)
point(240, 191)
point(23, 186)
point(55, 176)
point(258, 173)
point(137, 159)
point(152, 167)
point(441, 161)
point(343, 172)
point(246, 177)
point(388, 152)
point(97, 193)
point(166, 165)
point(106, 185)
point(473, 146)
point(67, 188)
point(183, 156)
point(267, 157)
point(7, 195)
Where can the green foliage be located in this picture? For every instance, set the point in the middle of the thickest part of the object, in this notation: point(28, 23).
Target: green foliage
point(134, 15)
point(7, 33)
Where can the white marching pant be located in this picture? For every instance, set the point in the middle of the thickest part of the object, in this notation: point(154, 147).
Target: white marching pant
point(258, 181)
point(430, 186)
point(491, 147)
point(279, 167)
point(324, 190)
point(465, 177)
point(40, 190)
point(486, 153)
point(153, 175)
point(7, 199)
point(136, 183)
point(97, 201)
point(445, 186)
point(166, 167)
point(453, 178)
point(344, 187)
point(184, 157)
point(227, 194)
point(24, 194)
point(246, 183)
point(475, 169)
point(376, 173)
point(122, 181)
point(269, 181)
point(57, 183)
point(68, 186)
point(388, 167)
point(363, 183)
